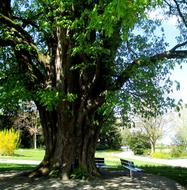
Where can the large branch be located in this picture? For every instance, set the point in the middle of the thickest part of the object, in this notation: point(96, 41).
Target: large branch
point(5, 7)
point(8, 42)
point(27, 22)
point(19, 36)
point(133, 67)
point(180, 13)
point(12, 24)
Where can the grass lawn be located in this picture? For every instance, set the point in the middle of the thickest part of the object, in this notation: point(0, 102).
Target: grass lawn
point(8, 167)
point(26, 154)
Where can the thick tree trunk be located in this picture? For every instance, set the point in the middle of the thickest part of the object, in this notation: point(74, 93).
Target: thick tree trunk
point(70, 140)
point(152, 147)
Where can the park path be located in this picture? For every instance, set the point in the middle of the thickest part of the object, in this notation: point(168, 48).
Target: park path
point(10, 161)
point(171, 162)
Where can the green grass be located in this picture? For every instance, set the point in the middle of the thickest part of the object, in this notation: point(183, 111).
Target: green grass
point(19, 167)
point(110, 157)
point(26, 154)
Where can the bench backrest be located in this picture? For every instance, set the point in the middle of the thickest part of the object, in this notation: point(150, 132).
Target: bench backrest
point(100, 160)
point(127, 163)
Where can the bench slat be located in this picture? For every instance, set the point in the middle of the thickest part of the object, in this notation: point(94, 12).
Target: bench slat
point(100, 162)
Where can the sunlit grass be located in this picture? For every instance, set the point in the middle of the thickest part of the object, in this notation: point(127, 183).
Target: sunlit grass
point(26, 154)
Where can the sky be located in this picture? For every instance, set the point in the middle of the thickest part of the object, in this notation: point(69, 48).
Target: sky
point(180, 75)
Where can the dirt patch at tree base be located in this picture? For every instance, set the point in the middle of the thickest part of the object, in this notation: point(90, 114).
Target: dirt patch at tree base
point(119, 180)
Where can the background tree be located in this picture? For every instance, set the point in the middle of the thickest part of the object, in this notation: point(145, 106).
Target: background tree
point(180, 138)
point(69, 57)
point(153, 128)
point(27, 122)
point(110, 136)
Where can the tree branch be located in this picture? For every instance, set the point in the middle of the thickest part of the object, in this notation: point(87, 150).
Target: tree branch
point(132, 68)
point(5, 7)
point(4, 43)
point(26, 22)
point(12, 24)
point(180, 13)
point(178, 46)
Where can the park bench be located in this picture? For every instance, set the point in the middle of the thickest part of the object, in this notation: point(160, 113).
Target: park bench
point(100, 163)
point(130, 166)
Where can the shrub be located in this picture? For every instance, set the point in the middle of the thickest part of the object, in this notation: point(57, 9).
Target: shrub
point(9, 141)
point(161, 155)
point(109, 138)
point(176, 151)
point(138, 143)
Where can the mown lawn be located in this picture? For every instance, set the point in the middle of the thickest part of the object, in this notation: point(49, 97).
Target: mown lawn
point(26, 154)
point(20, 167)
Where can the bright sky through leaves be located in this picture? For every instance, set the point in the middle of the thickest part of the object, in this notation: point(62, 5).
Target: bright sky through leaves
point(179, 73)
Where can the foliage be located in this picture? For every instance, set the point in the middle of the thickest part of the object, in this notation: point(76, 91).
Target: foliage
point(176, 151)
point(152, 127)
point(163, 155)
point(27, 121)
point(180, 139)
point(110, 136)
point(138, 142)
point(10, 140)
point(79, 173)
point(54, 172)
point(125, 133)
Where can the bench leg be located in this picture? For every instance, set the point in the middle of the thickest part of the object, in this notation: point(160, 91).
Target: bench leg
point(131, 173)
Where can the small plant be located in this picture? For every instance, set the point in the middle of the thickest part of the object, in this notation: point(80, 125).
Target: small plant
point(79, 173)
point(10, 140)
point(55, 173)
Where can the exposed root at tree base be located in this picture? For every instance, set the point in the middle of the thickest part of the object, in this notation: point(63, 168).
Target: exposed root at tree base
point(45, 171)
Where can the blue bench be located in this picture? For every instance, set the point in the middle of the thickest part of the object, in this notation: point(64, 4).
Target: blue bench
point(100, 163)
point(130, 166)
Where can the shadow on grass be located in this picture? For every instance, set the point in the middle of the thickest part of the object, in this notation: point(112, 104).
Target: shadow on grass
point(178, 174)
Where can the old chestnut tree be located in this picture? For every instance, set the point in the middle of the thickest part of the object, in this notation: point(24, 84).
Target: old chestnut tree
point(67, 56)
